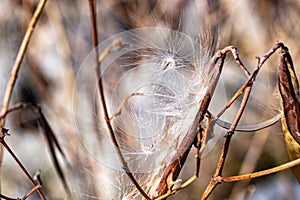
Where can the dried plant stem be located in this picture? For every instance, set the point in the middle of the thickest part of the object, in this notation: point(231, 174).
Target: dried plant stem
point(216, 62)
point(262, 173)
point(25, 196)
point(7, 198)
point(94, 30)
point(234, 52)
point(20, 56)
point(215, 181)
point(17, 107)
point(219, 179)
point(122, 104)
point(5, 145)
point(49, 134)
point(199, 144)
point(16, 68)
point(254, 74)
point(31, 191)
point(174, 168)
point(247, 87)
point(103, 103)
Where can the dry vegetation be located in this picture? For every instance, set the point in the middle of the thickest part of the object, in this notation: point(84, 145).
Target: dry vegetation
point(44, 134)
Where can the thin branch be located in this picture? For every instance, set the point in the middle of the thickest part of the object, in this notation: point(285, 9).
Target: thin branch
point(200, 143)
point(94, 29)
point(31, 191)
point(214, 62)
point(247, 87)
point(174, 168)
point(7, 198)
point(231, 131)
point(237, 59)
point(103, 103)
point(5, 145)
point(49, 134)
point(250, 78)
point(262, 173)
point(20, 56)
point(16, 107)
point(214, 181)
point(16, 68)
point(234, 52)
point(122, 104)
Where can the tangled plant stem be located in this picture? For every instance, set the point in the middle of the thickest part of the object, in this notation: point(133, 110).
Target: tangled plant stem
point(217, 178)
point(14, 75)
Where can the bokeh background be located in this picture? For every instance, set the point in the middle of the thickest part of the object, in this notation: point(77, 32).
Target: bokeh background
point(62, 40)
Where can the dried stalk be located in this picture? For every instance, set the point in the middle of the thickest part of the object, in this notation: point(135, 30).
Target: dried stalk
point(16, 68)
point(5, 145)
point(50, 137)
point(103, 103)
point(261, 173)
point(20, 56)
point(31, 191)
point(247, 87)
point(173, 169)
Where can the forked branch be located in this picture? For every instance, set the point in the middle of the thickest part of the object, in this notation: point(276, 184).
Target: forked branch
point(16, 68)
point(247, 88)
point(5, 145)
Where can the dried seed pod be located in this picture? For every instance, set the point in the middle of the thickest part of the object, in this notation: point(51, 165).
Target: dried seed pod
point(167, 70)
point(289, 91)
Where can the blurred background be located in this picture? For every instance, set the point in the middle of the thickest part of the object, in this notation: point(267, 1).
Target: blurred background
point(62, 40)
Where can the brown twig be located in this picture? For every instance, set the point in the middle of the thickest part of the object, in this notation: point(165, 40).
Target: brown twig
point(174, 168)
point(237, 59)
point(94, 29)
point(16, 68)
point(199, 143)
point(5, 145)
point(252, 77)
point(217, 61)
point(7, 198)
point(16, 107)
point(247, 88)
point(122, 104)
point(31, 191)
point(261, 173)
point(215, 181)
point(20, 56)
point(234, 52)
point(49, 134)
point(103, 103)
